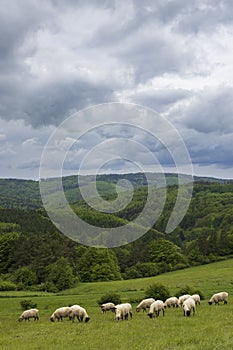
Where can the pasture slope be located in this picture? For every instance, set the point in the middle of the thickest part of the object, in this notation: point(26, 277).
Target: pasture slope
point(211, 328)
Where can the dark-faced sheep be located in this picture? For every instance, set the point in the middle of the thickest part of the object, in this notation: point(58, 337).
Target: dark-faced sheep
point(156, 307)
point(216, 298)
point(27, 314)
point(189, 306)
point(61, 313)
point(171, 302)
point(144, 304)
point(196, 298)
point(80, 313)
point(123, 311)
point(182, 298)
point(107, 307)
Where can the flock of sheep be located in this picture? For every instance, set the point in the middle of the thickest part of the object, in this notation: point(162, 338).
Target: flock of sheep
point(123, 311)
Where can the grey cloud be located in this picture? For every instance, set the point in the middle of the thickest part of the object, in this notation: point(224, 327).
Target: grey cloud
point(160, 99)
point(54, 102)
point(211, 111)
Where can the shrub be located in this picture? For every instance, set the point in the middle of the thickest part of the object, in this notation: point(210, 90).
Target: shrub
point(109, 298)
point(157, 291)
point(184, 290)
point(6, 285)
point(27, 304)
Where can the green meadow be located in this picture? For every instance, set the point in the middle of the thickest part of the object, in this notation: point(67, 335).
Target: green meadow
point(211, 328)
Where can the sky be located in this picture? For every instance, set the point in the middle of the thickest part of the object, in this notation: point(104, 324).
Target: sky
point(174, 57)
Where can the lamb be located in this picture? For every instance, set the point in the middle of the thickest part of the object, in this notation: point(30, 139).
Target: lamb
point(80, 312)
point(144, 304)
point(123, 311)
point(189, 306)
point(196, 298)
point(106, 307)
point(27, 314)
point(61, 313)
point(171, 302)
point(216, 298)
point(156, 307)
point(182, 298)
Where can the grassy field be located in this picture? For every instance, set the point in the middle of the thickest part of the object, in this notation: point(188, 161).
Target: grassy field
point(211, 328)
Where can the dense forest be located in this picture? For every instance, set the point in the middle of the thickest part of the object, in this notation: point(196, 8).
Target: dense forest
point(35, 255)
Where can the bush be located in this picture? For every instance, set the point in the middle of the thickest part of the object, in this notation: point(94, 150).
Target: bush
point(157, 291)
point(6, 286)
point(109, 298)
point(27, 304)
point(184, 290)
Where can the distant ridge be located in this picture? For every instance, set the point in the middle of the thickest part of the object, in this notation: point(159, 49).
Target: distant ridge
point(25, 194)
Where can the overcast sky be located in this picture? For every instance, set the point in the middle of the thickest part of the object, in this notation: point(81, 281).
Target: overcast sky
point(58, 57)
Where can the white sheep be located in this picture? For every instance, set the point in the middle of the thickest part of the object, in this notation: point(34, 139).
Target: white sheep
point(196, 298)
point(61, 313)
point(27, 314)
point(80, 312)
point(171, 302)
point(144, 304)
point(189, 306)
point(123, 311)
point(156, 307)
point(182, 298)
point(107, 307)
point(216, 298)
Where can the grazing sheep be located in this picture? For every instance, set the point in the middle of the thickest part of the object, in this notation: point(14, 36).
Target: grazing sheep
point(61, 313)
point(216, 298)
point(80, 312)
point(182, 298)
point(123, 311)
point(196, 298)
point(156, 307)
point(144, 304)
point(171, 302)
point(27, 314)
point(107, 307)
point(189, 306)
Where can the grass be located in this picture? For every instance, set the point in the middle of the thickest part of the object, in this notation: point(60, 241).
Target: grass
point(210, 328)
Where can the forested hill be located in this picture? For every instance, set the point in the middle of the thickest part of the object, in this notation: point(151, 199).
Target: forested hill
point(25, 194)
point(35, 255)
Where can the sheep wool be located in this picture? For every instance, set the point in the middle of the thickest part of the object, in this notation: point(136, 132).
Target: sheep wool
point(80, 313)
point(171, 302)
point(216, 298)
point(144, 304)
point(189, 306)
point(107, 307)
point(156, 307)
point(27, 314)
point(123, 311)
point(196, 298)
point(61, 313)
point(182, 298)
